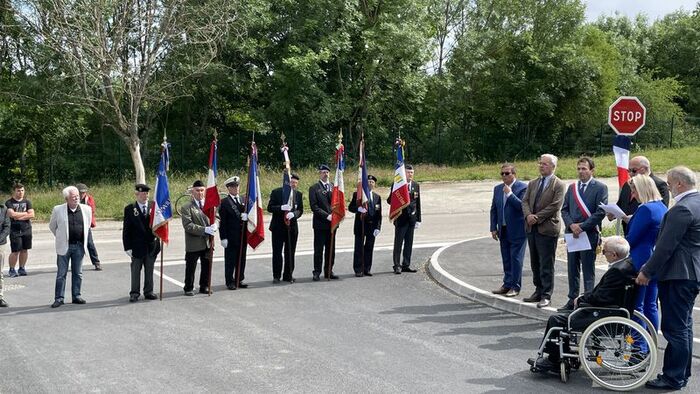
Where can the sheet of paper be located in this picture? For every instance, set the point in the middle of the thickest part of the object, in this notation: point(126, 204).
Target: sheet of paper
point(614, 209)
point(577, 244)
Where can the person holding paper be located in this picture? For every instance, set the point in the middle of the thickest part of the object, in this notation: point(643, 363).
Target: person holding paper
point(643, 229)
point(582, 216)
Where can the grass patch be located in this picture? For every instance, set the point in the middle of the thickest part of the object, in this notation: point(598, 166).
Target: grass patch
point(111, 196)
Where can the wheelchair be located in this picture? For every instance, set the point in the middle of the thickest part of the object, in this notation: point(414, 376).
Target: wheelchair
point(615, 351)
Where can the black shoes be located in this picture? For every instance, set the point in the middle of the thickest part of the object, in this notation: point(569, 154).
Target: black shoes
point(544, 303)
point(79, 301)
point(660, 384)
point(397, 270)
point(98, 266)
point(290, 279)
point(535, 297)
point(368, 274)
point(3, 303)
point(359, 274)
point(501, 290)
point(133, 298)
point(568, 307)
point(316, 277)
point(189, 293)
point(204, 290)
point(276, 280)
point(242, 285)
point(333, 276)
point(56, 304)
point(151, 296)
point(407, 269)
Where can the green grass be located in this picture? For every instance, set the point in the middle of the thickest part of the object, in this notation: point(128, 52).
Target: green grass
point(111, 197)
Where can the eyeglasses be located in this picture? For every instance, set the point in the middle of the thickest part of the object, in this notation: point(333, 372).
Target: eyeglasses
point(505, 173)
point(633, 170)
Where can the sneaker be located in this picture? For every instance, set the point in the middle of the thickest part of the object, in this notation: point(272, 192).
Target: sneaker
point(22, 272)
point(12, 273)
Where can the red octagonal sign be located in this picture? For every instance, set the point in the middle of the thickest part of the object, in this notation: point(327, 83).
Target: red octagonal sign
point(627, 115)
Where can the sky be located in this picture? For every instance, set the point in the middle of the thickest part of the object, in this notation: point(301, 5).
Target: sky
point(654, 9)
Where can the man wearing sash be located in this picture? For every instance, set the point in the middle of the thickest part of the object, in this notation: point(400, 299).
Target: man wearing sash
point(582, 216)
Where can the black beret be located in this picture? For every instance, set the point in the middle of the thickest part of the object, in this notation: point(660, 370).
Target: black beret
point(198, 183)
point(323, 167)
point(371, 178)
point(140, 187)
point(295, 176)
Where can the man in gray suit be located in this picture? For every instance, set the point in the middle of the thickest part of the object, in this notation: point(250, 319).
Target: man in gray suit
point(197, 233)
point(541, 207)
point(675, 262)
point(582, 216)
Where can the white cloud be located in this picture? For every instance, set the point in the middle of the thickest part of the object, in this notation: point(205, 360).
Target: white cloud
point(654, 9)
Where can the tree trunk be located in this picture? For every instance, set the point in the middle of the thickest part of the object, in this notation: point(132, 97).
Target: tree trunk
point(134, 145)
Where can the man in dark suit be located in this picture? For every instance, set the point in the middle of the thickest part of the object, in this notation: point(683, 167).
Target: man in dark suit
point(198, 230)
point(508, 227)
point(610, 292)
point(285, 229)
point(320, 201)
point(406, 224)
point(541, 207)
point(628, 204)
point(675, 263)
point(140, 244)
point(233, 235)
point(582, 216)
point(368, 224)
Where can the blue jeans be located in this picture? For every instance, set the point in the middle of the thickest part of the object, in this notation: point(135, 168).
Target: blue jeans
point(75, 255)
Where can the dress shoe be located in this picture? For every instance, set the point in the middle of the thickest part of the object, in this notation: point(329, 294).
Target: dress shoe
point(242, 285)
point(133, 298)
point(568, 307)
point(334, 276)
point(407, 269)
point(290, 280)
point(545, 364)
point(368, 274)
point(204, 290)
point(231, 287)
point(189, 293)
point(535, 297)
point(151, 296)
point(660, 384)
point(316, 278)
point(397, 270)
point(501, 290)
point(276, 280)
point(359, 274)
point(56, 304)
point(543, 303)
point(98, 266)
point(512, 293)
point(79, 301)
point(3, 303)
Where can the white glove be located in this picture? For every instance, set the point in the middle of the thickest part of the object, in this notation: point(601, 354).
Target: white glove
point(290, 215)
point(376, 233)
point(244, 217)
point(361, 210)
point(211, 230)
point(329, 217)
point(286, 207)
point(215, 226)
point(224, 243)
point(128, 252)
point(417, 224)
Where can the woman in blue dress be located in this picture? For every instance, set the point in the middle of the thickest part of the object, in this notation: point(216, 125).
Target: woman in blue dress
point(643, 229)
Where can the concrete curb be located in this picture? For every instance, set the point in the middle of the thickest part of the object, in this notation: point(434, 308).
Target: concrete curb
point(461, 288)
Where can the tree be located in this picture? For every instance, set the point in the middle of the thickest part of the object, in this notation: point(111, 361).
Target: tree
point(119, 57)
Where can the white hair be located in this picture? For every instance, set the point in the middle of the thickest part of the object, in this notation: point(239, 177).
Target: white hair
point(618, 245)
point(551, 158)
point(66, 192)
point(682, 174)
point(644, 162)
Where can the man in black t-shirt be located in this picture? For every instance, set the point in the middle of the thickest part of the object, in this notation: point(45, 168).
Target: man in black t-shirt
point(21, 213)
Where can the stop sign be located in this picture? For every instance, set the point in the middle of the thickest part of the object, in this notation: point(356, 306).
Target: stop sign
point(627, 116)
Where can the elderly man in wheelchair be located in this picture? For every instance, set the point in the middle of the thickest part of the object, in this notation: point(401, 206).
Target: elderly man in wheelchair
point(603, 334)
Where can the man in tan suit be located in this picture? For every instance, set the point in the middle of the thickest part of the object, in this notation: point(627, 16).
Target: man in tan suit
point(541, 207)
point(197, 233)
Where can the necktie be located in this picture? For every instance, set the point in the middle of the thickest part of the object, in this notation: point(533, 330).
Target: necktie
point(235, 199)
point(326, 187)
point(539, 193)
point(143, 210)
point(581, 188)
point(199, 203)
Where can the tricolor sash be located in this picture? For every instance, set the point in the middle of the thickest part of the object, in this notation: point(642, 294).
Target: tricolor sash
point(579, 202)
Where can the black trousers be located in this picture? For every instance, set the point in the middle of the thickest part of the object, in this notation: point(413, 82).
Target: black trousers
point(364, 249)
point(323, 243)
point(542, 253)
point(147, 262)
point(191, 266)
point(92, 250)
point(282, 240)
point(231, 263)
point(552, 350)
point(403, 234)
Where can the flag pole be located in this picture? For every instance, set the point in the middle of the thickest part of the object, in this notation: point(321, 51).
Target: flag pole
point(243, 227)
point(331, 253)
point(288, 223)
point(161, 270)
point(211, 240)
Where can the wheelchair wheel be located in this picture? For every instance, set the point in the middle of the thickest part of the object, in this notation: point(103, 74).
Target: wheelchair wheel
point(611, 357)
point(564, 371)
point(650, 327)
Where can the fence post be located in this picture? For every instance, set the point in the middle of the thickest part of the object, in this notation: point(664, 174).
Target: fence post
point(670, 142)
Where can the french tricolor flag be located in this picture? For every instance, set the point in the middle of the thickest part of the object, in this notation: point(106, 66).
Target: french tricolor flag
point(211, 199)
point(621, 149)
point(256, 227)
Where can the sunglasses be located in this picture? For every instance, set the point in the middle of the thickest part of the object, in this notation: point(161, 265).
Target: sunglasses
point(633, 170)
point(505, 173)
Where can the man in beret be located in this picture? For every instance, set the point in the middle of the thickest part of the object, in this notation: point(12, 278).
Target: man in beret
point(87, 199)
point(233, 234)
point(320, 201)
point(371, 219)
point(405, 224)
point(140, 244)
point(285, 230)
point(197, 233)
